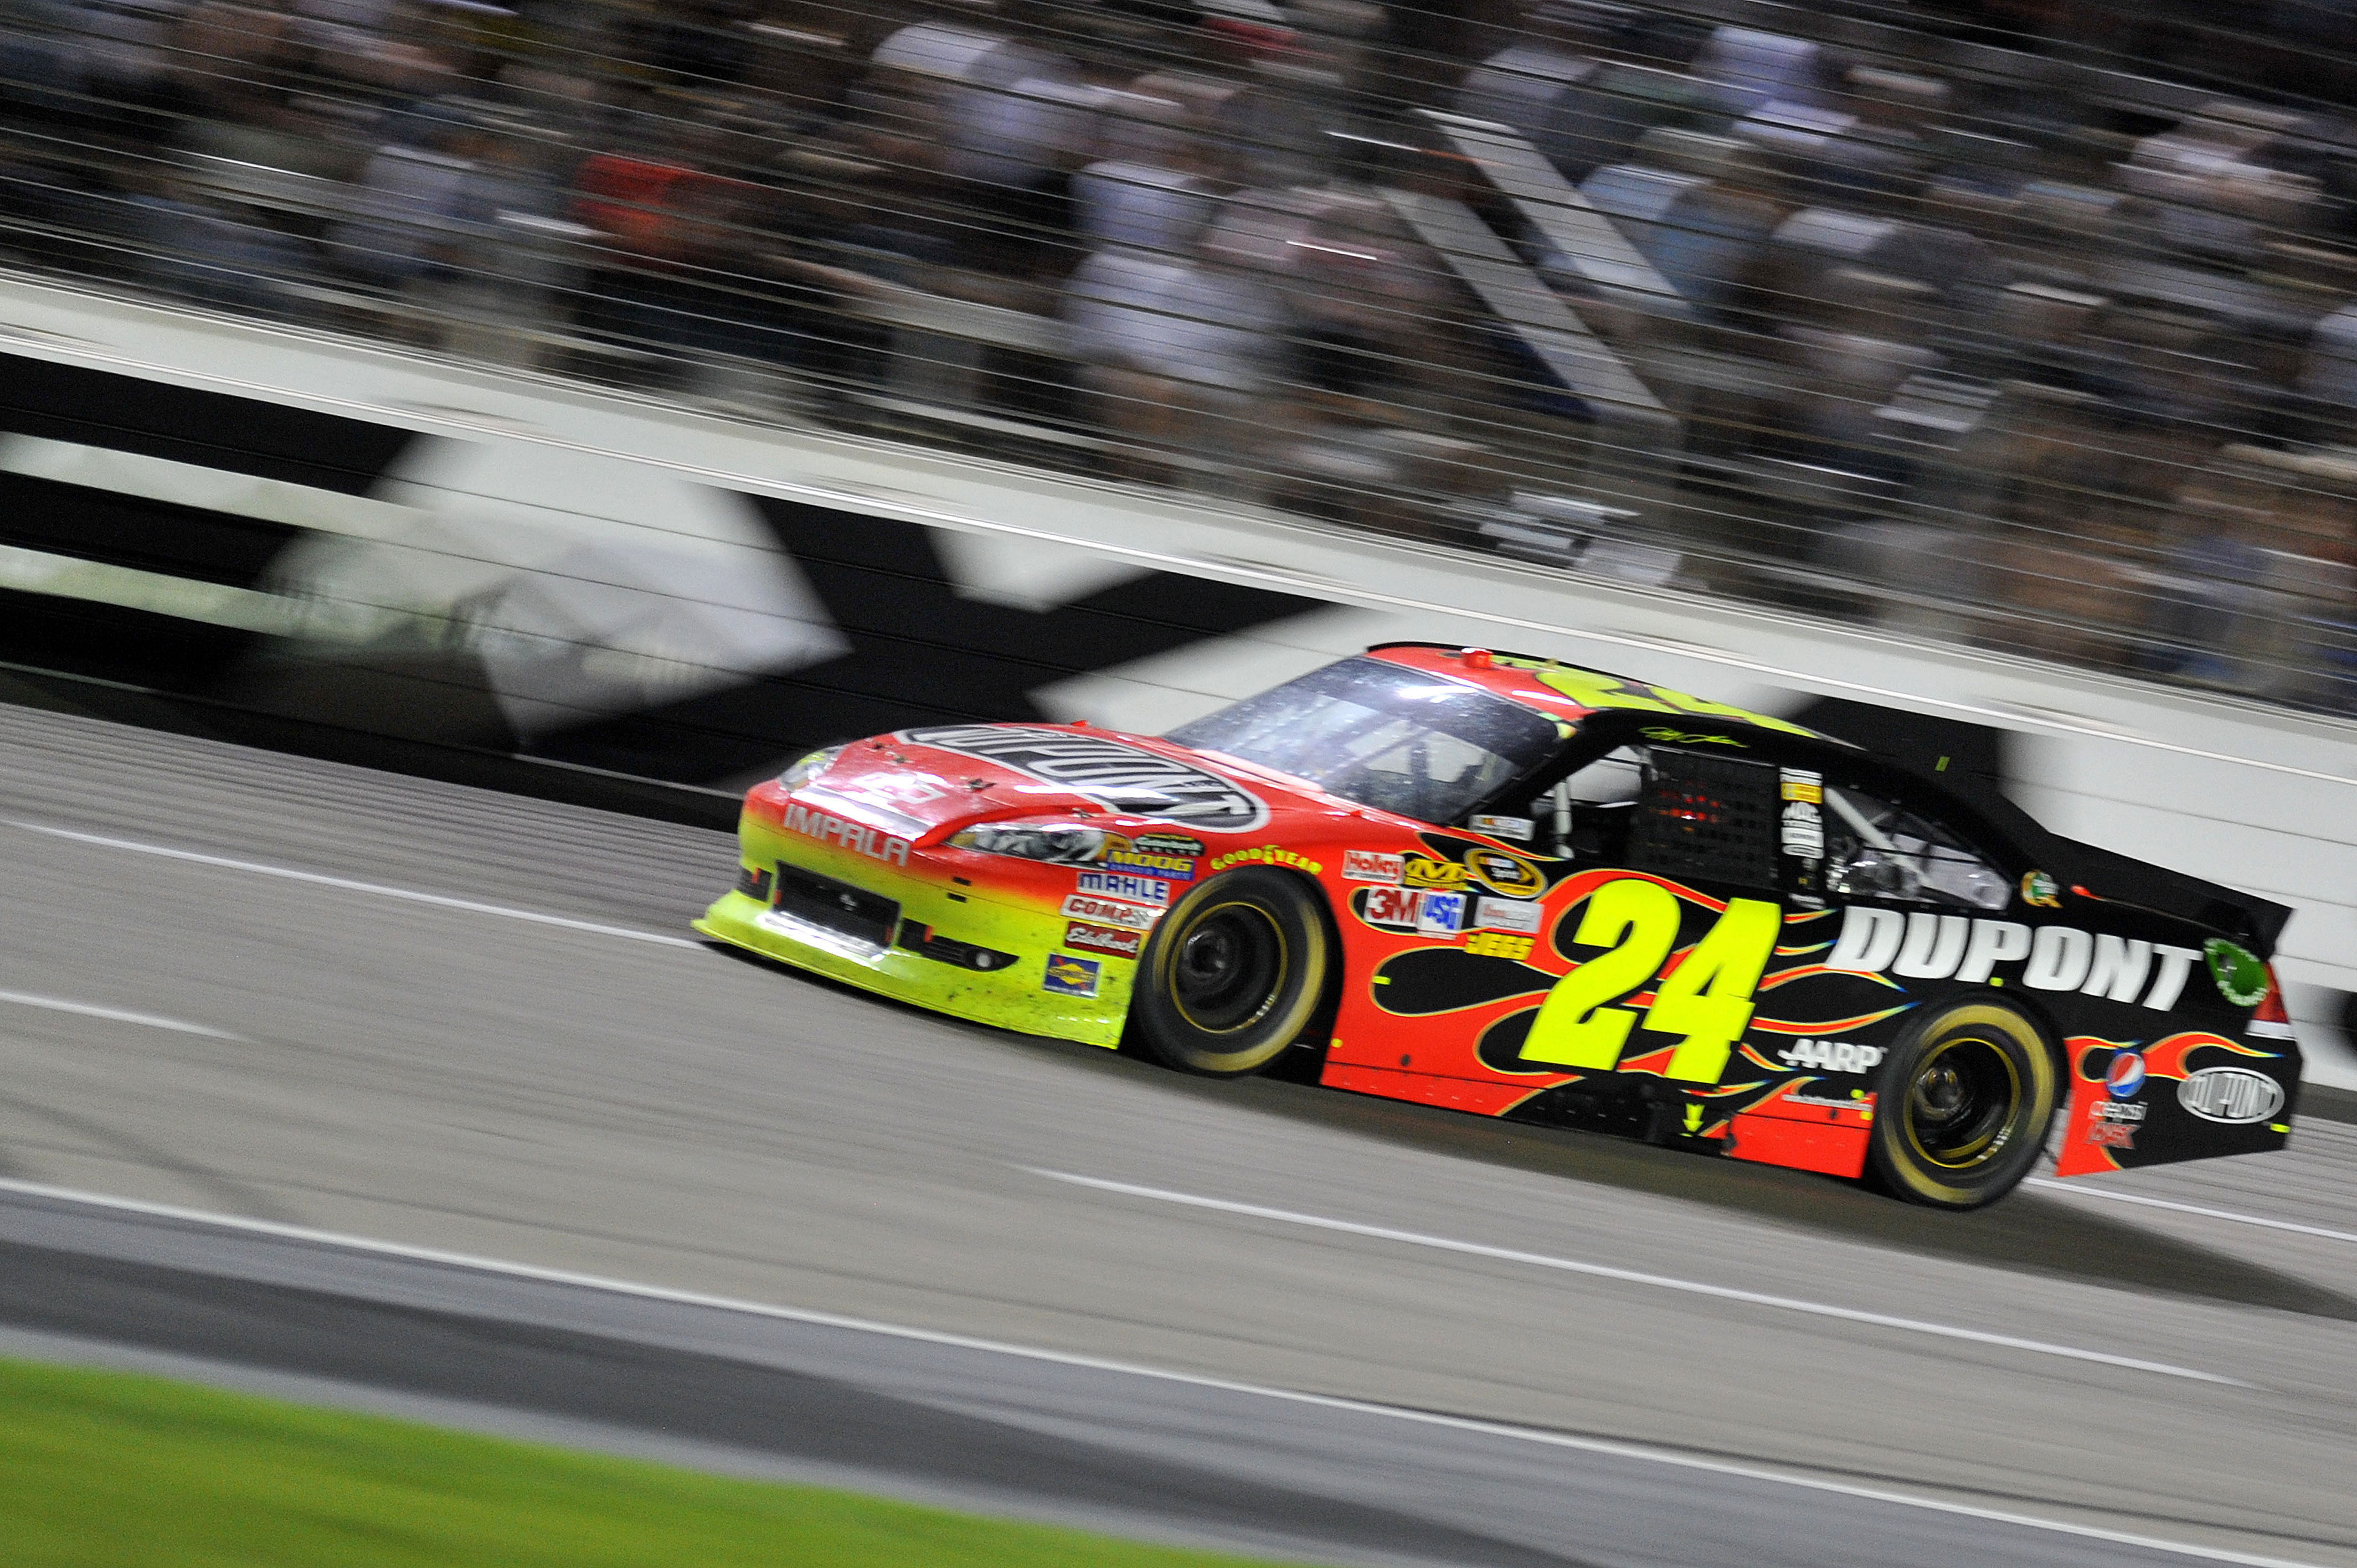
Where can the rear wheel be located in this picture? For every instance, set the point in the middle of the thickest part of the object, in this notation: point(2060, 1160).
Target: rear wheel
point(1234, 974)
point(1965, 1101)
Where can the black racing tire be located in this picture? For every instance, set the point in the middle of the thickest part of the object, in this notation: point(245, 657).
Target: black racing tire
point(1235, 974)
point(1964, 1102)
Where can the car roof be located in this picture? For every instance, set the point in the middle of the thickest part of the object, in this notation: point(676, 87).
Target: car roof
point(1568, 692)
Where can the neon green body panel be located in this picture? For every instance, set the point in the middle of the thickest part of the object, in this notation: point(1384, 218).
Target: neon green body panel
point(1003, 918)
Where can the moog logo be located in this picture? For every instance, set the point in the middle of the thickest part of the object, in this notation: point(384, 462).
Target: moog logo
point(2234, 1095)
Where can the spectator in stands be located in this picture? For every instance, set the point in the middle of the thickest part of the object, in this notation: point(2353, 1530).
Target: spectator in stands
point(198, 245)
point(676, 268)
point(233, 62)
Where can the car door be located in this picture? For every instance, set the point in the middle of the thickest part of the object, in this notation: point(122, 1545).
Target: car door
point(1671, 919)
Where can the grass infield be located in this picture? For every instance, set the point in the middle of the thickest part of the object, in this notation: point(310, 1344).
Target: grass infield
point(109, 1468)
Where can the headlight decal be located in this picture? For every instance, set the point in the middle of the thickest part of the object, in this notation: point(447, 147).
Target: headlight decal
point(1058, 844)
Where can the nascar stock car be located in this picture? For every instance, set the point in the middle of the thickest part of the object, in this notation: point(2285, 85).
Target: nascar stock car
point(1518, 888)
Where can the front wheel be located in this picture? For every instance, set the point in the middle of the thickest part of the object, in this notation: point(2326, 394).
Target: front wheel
point(1233, 975)
point(1965, 1101)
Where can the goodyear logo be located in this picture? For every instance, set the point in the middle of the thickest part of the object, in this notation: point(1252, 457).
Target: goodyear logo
point(1267, 854)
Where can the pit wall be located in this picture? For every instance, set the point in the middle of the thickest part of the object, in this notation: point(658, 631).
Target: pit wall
point(294, 525)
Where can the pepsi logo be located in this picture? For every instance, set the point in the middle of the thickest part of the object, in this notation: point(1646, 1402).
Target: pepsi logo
point(2126, 1079)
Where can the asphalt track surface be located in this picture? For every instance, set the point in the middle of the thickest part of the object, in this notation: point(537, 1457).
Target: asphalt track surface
point(222, 992)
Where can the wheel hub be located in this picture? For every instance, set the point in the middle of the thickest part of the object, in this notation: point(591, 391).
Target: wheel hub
point(1229, 967)
point(1961, 1105)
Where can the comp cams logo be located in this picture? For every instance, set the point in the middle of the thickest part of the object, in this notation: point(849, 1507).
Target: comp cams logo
point(1118, 776)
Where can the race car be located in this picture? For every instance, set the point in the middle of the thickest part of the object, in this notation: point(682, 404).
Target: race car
point(1515, 887)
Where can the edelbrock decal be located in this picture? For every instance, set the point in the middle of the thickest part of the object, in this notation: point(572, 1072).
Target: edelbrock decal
point(1109, 940)
point(1116, 776)
point(2234, 1095)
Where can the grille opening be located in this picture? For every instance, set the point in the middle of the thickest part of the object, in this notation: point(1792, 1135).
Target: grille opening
point(837, 906)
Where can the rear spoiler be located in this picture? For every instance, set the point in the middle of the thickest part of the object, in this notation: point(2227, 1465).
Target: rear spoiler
point(2253, 920)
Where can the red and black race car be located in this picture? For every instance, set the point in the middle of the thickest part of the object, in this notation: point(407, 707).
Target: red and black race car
point(1518, 888)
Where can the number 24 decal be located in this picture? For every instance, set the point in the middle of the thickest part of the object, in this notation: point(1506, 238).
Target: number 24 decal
point(1707, 998)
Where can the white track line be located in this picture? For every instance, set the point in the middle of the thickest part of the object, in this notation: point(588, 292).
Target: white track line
point(1631, 1276)
point(1065, 1359)
point(88, 1010)
point(2075, 1190)
point(411, 895)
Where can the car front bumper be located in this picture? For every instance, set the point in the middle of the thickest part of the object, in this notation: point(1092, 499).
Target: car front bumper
point(915, 934)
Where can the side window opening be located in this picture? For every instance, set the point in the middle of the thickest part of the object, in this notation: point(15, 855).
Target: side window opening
point(1875, 849)
point(1587, 815)
point(1707, 818)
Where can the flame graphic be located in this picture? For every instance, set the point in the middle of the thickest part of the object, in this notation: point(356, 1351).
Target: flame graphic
point(1831, 1026)
point(2082, 1046)
point(1655, 1062)
point(1587, 881)
point(1558, 1083)
point(1813, 947)
point(2162, 1058)
point(1812, 915)
point(1802, 971)
point(1756, 1059)
point(1723, 1090)
point(2166, 1058)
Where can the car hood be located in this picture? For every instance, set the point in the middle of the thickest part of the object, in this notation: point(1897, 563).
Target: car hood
point(920, 782)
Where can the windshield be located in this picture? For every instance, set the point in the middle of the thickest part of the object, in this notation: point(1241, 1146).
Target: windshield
point(1383, 736)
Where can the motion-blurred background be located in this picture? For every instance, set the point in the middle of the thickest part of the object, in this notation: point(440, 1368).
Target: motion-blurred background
point(2023, 324)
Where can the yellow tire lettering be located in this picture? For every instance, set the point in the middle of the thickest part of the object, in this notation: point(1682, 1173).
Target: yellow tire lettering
point(1637, 922)
point(1708, 998)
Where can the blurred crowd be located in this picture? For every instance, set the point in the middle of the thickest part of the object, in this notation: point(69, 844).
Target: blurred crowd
point(2024, 324)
